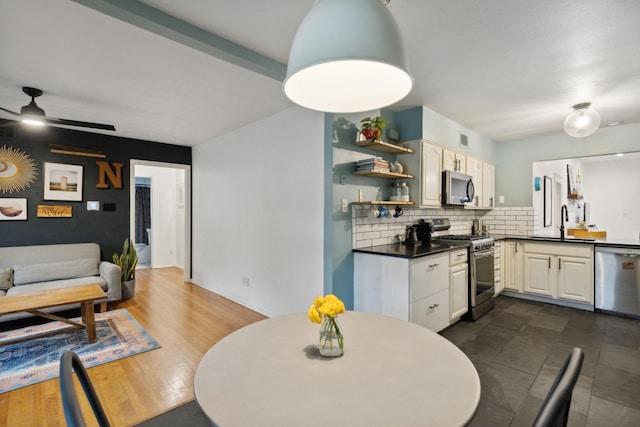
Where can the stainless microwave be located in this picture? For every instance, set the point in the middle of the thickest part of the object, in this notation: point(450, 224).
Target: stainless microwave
point(457, 188)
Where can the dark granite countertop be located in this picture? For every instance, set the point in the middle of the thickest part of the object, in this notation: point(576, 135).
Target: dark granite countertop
point(608, 242)
point(401, 250)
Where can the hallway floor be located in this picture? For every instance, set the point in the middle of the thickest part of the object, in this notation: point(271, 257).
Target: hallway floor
point(519, 346)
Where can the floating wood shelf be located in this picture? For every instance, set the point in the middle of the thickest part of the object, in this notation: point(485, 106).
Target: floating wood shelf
point(382, 146)
point(382, 202)
point(380, 174)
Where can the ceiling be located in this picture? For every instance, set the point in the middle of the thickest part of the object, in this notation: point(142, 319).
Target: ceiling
point(158, 70)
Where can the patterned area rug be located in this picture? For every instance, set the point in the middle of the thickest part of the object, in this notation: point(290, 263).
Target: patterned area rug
point(119, 335)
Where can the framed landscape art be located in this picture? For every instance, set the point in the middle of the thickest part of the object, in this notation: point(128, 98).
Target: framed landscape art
point(62, 182)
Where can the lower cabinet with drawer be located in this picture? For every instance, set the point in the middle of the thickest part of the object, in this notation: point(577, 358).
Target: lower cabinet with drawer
point(432, 312)
point(415, 289)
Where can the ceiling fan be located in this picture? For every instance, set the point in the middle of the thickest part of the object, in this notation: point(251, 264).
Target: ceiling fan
point(34, 115)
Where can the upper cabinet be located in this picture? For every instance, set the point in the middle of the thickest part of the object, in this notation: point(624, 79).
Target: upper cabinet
point(454, 161)
point(428, 162)
point(488, 185)
point(432, 159)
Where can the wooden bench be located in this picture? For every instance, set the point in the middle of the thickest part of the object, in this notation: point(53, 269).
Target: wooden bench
point(35, 301)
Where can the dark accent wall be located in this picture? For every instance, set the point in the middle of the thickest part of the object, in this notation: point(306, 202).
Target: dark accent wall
point(108, 229)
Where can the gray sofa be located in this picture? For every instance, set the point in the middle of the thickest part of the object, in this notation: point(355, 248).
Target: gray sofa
point(25, 269)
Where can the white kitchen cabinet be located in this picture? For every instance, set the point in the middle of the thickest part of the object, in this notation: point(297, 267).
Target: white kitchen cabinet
point(575, 279)
point(538, 275)
point(488, 185)
point(512, 265)
point(427, 192)
point(559, 270)
point(432, 312)
point(458, 284)
point(497, 268)
point(474, 169)
point(415, 289)
point(454, 161)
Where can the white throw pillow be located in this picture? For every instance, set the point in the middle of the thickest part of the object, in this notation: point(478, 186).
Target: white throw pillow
point(5, 278)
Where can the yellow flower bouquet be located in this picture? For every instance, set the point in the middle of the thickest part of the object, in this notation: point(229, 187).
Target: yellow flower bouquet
point(325, 310)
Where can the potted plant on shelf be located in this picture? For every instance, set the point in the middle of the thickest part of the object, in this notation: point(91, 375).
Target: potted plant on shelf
point(127, 262)
point(371, 127)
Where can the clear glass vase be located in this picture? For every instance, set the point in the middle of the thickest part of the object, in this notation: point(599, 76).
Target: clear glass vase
point(331, 339)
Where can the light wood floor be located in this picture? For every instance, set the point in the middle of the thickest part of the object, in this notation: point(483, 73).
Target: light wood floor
point(185, 319)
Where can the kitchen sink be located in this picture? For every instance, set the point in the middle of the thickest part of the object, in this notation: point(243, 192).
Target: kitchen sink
point(566, 239)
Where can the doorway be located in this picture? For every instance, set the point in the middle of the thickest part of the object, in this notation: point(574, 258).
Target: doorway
point(165, 240)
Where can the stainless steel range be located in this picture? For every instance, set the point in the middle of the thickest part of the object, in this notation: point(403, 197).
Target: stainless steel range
point(481, 267)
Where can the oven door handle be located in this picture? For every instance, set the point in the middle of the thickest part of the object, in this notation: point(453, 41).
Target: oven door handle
point(483, 253)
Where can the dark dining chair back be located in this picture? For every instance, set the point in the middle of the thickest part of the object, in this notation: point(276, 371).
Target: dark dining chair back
point(70, 362)
point(555, 408)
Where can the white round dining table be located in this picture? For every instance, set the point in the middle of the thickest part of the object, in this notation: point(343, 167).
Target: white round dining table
point(392, 373)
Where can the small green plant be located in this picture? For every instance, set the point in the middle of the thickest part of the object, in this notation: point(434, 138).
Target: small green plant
point(371, 127)
point(127, 260)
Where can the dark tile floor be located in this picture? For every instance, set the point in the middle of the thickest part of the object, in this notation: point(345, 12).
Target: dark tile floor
point(519, 346)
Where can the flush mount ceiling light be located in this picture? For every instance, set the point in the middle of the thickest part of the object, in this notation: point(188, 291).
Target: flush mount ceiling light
point(582, 121)
point(346, 57)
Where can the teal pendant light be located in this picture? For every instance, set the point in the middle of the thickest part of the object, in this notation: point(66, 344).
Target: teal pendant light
point(346, 57)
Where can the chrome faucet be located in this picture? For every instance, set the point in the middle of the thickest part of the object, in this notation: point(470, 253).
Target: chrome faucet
point(564, 216)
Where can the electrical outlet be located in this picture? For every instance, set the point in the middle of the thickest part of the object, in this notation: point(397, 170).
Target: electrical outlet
point(501, 199)
point(245, 282)
point(345, 205)
point(343, 179)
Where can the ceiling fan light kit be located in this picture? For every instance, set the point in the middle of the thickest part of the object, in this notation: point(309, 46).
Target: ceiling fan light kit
point(32, 114)
point(582, 121)
point(347, 56)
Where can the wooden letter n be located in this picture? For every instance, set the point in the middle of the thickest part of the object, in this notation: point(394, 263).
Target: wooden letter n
point(114, 175)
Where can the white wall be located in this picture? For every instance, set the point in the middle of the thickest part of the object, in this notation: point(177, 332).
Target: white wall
point(165, 232)
point(258, 212)
point(180, 217)
point(612, 189)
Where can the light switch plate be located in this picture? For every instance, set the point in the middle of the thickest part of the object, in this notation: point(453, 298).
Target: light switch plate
point(345, 205)
point(93, 206)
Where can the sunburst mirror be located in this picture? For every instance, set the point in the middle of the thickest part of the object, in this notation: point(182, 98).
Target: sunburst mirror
point(17, 170)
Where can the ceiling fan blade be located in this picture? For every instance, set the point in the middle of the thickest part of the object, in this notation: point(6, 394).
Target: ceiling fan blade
point(66, 122)
point(9, 111)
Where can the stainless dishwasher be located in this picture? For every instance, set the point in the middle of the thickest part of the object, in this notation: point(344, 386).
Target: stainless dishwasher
point(618, 280)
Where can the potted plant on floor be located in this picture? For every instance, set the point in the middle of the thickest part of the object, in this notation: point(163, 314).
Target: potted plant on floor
point(371, 127)
point(127, 262)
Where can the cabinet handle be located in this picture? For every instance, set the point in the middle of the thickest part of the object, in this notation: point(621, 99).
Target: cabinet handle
point(559, 264)
point(516, 245)
point(549, 262)
point(431, 307)
point(491, 201)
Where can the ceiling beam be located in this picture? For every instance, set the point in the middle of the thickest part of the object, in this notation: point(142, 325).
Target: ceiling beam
point(170, 27)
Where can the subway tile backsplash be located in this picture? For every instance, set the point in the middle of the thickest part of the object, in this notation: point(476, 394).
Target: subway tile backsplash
point(499, 221)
